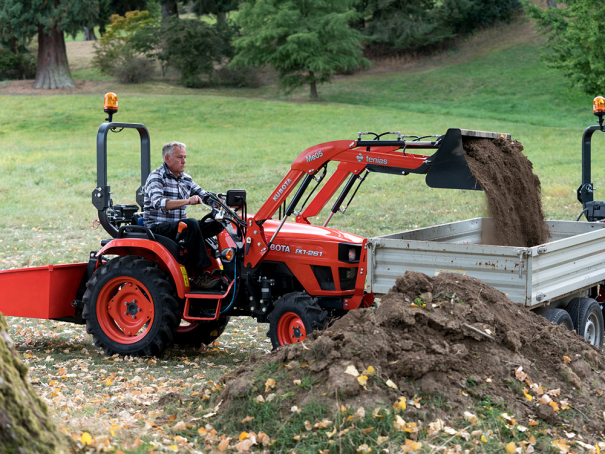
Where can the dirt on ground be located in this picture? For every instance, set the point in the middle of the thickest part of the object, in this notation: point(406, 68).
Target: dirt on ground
point(514, 198)
point(450, 340)
point(25, 425)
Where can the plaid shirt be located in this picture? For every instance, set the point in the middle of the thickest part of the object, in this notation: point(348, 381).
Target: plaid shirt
point(162, 186)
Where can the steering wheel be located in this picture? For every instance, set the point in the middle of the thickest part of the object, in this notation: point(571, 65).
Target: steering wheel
point(232, 214)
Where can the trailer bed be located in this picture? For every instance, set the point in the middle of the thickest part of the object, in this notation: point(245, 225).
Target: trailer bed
point(572, 261)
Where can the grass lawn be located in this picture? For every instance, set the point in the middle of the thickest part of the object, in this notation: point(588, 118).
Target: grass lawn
point(247, 139)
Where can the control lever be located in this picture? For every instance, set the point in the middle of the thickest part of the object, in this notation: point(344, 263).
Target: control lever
point(179, 236)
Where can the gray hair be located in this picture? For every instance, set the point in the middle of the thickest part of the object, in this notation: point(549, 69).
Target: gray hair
point(168, 149)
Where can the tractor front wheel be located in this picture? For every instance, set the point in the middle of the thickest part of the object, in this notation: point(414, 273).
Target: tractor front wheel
point(130, 307)
point(202, 332)
point(295, 316)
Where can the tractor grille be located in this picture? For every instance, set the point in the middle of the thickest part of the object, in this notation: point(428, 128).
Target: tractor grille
point(324, 276)
point(347, 276)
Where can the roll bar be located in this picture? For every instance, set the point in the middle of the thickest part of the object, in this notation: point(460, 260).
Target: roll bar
point(101, 195)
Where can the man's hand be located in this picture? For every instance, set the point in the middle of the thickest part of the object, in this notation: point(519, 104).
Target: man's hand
point(194, 200)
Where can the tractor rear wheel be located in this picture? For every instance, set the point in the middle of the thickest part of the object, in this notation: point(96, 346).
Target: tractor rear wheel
point(587, 317)
point(294, 317)
point(130, 307)
point(202, 332)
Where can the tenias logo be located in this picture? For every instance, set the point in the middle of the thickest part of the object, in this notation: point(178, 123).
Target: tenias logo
point(314, 156)
point(371, 160)
point(281, 190)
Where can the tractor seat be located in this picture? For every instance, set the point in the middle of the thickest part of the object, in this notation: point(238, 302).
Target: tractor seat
point(171, 245)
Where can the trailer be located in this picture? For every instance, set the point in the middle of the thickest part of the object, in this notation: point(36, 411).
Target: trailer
point(549, 274)
point(552, 278)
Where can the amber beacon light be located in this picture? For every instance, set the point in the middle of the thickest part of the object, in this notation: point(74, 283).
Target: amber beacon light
point(598, 108)
point(110, 105)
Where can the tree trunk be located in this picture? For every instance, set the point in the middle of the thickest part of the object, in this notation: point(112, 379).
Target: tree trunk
point(313, 85)
point(221, 18)
point(169, 8)
point(89, 34)
point(551, 4)
point(53, 68)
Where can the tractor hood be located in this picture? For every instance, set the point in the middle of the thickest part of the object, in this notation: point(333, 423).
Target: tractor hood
point(292, 231)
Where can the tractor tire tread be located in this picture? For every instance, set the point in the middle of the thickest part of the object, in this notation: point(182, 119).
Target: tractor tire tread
point(303, 303)
point(578, 309)
point(202, 333)
point(162, 287)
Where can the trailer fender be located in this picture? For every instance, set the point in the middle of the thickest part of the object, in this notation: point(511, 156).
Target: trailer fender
point(153, 251)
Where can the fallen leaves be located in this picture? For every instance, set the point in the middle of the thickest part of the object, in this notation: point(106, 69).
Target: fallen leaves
point(270, 384)
point(352, 370)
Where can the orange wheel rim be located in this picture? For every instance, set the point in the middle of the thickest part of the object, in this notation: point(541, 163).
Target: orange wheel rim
point(290, 329)
point(125, 310)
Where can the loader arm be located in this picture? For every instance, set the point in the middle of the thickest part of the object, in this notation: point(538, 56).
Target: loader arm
point(445, 168)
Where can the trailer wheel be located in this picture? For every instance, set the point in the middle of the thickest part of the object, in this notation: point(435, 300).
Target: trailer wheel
point(202, 332)
point(587, 317)
point(295, 316)
point(559, 316)
point(130, 309)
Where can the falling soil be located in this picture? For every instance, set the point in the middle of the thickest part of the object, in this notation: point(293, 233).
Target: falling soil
point(449, 338)
point(25, 426)
point(512, 189)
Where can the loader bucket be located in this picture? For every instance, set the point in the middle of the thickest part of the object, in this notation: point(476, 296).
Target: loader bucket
point(449, 169)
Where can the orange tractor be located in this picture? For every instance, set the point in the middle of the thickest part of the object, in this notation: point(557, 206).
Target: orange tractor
point(134, 293)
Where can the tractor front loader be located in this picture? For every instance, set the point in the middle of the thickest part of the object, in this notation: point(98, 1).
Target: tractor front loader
point(134, 294)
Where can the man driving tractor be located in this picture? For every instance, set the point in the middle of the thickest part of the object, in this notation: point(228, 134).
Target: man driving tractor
point(168, 191)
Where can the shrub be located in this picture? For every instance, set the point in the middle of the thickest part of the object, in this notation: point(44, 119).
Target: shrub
point(466, 16)
point(17, 65)
point(420, 25)
point(245, 77)
point(128, 41)
point(134, 71)
point(193, 47)
point(189, 45)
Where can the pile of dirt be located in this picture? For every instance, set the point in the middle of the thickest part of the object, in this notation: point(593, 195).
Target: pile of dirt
point(25, 426)
point(451, 337)
point(513, 192)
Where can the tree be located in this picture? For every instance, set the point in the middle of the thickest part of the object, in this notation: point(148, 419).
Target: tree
point(193, 47)
point(107, 8)
point(218, 8)
point(169, 8)
point(306, 41)
point(48, 19)
point(420, 25)
point(575, 43)
point(403, 24)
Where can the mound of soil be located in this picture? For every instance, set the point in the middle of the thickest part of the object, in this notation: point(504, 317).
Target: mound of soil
point(450, 336)
point(512, 189)
point(25, 426)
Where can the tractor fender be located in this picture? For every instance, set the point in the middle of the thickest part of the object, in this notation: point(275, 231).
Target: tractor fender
point(153, 251)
